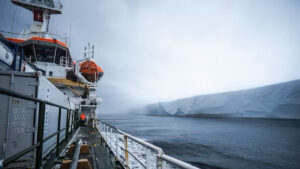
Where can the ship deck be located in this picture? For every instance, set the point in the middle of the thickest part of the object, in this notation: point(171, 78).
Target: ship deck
point(99, 157)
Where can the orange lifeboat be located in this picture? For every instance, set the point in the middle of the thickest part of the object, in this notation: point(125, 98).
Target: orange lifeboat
point(90, 70)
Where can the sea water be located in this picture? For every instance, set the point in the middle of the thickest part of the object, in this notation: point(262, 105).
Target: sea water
point(233, 143)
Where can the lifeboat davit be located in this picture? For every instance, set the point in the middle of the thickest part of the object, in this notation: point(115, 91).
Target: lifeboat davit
point(90, 70)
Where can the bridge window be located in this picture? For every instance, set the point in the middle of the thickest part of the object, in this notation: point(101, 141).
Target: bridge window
point(59, 54)
point(47, 53)
point(28, 53)
point(44, 53)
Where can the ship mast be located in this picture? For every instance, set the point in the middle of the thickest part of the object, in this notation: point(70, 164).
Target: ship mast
point(89, 51)
point(42, 10)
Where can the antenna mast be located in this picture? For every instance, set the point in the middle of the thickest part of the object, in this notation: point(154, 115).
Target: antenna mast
point(89, 51)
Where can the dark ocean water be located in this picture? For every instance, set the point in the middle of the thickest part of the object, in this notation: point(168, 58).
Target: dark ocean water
point(233, 143)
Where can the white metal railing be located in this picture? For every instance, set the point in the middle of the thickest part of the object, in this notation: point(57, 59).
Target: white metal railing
point(29, 35)
point(55, 4)
point(65, 62)
point(133, 152)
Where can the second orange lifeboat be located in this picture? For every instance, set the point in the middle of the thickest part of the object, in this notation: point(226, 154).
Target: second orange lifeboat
point(90, 70)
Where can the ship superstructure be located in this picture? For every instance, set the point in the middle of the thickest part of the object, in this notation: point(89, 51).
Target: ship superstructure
point(48, 106)
point(43, 53)
point(44, 61)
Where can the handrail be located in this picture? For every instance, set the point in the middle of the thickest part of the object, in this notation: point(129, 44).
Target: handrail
point(161, 160)
point(54, 5)
point(40, 135)
point(142, 142)
point(134, 156)
point(26, 97)
point(27, 36)
point(76, 155)
point(177, 162)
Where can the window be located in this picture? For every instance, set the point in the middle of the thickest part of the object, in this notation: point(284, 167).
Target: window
point(59, 53)
point(44, 53)
point(29, 53)
point(50, 73)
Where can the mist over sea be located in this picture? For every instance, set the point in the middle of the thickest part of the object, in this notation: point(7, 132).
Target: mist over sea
point(232, 143)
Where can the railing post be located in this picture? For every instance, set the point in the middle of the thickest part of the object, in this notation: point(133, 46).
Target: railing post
point(163, 165)
point(72, 113)
point(148, 155)
point(67, 125)
point(76, 124)
point(111, 135)
point(159, 163)
point(58, 134)
point(40, 136)
point(117, 144)
point(126, 152)
point(73, 120)
point(105, 129)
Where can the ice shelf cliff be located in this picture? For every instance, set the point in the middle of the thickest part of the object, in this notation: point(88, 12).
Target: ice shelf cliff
point(280, 100)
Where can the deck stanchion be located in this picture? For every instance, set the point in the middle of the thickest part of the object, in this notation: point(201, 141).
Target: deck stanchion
point(105, 129)
point(148, 160)
point(160, 164)
point(58, 134)
point(72, 112)
point(67, 125)
point(110, 137)
point(117, 144)
point(76, 119)
point(73, 120)
point(40, 136)
point(126, 152)
point(164, 165)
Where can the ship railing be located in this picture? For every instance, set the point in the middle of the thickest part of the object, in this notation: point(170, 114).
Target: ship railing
point(54, 5)
point(133, 152)
point(70, 127)
point(34, 34)
point(65, 62)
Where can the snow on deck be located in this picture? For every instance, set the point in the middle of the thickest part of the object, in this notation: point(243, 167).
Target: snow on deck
point(137, 152)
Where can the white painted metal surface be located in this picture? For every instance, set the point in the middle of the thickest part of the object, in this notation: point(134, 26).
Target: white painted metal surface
point(17, 125)
point(52, 69)
point(6, 55)
point(17, 114)
point(47, 91)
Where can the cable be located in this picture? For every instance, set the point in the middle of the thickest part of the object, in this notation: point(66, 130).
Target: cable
point(13, 20)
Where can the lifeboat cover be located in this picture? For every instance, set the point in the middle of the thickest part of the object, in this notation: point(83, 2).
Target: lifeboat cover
point(90, 70)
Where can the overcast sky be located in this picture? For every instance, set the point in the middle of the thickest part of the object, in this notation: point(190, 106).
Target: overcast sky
point(161, 50)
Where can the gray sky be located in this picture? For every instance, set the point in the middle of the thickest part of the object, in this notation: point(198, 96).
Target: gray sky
point(161, 50)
